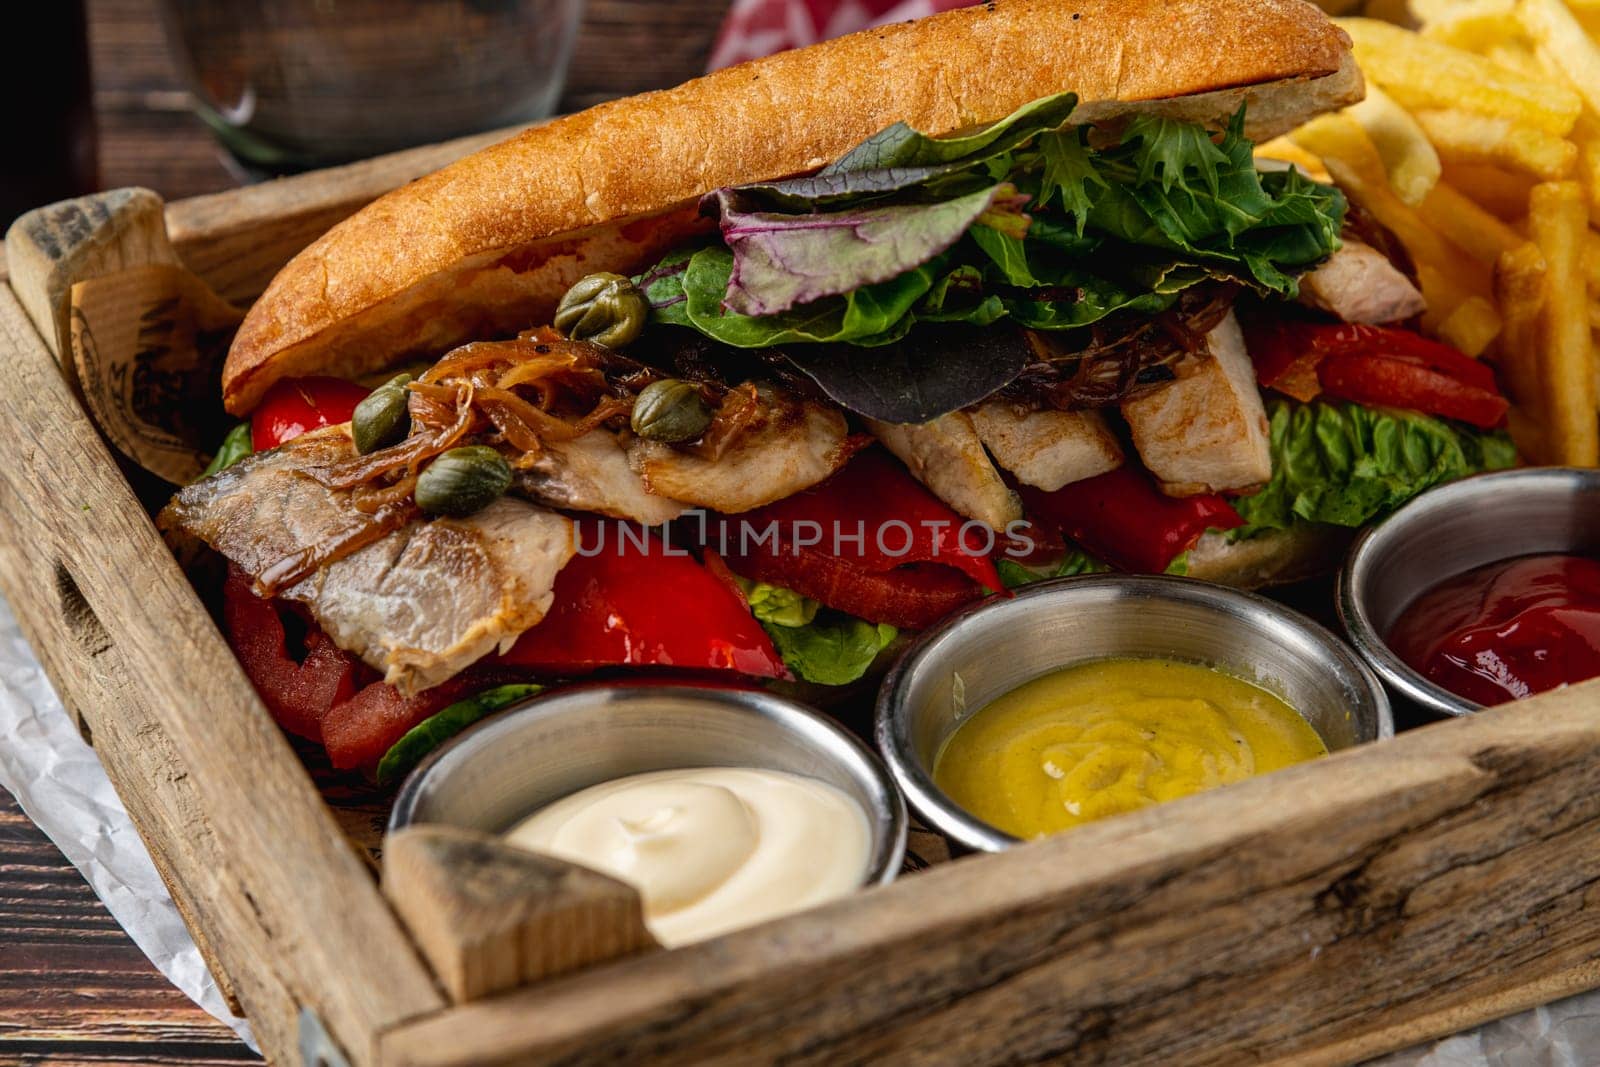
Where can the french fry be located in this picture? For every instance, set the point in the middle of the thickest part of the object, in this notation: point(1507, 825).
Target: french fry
point(1519, 289)
point(1469, 138)
point(1477, 27)
point(1586, 134)
point(1431, 11)
point(1516, 54)
point(1468, 225)
point(1424, 74)
point(1561, 38)
point(1527, 435)
point(1558, 220)
point(1501, 192)
point(1591, 260)
point(1448, 274)
point(1472, 326)
point(1408, 158)
point(1286, 151)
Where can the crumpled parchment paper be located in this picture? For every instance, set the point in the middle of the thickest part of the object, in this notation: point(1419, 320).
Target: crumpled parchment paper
point(62, 788)
point(59, 783)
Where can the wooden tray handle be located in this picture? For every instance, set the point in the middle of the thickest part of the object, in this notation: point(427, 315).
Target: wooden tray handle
point(489, 917)
point(51, 248)
point(138, 336)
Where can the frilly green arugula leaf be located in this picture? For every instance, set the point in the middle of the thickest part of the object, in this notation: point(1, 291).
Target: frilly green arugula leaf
point(1069, 174)
point(1173, 153)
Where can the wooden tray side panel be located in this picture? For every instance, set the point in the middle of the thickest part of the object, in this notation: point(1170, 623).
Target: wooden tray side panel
point(1329, 911)
point(270, 875)
point(237, 240)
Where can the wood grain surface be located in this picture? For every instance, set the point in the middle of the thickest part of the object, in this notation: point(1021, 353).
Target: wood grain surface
point(73, 987)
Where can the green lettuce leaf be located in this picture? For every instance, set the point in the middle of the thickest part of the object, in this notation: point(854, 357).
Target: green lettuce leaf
point(779, 606)
point(1345, 464)
point(234, 447)
point(818, 644)
point(1075, 562)
point(441, 726)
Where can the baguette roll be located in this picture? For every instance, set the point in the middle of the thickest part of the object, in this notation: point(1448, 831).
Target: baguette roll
point(486, 246)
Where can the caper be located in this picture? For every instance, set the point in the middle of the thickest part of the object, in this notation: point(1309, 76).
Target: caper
point(462, 481)
point(384, 417)
point(670, 410)
point(605, 308)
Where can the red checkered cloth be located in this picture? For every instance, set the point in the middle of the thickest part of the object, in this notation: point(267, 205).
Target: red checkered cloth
point(757, 28)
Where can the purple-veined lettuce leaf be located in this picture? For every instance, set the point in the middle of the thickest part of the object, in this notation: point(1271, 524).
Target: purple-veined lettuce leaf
point(781, 260)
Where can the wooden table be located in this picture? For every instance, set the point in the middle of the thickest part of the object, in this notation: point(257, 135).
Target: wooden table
point(73, 987)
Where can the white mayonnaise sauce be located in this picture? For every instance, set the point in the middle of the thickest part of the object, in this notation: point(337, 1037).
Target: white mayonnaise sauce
point(710, 849)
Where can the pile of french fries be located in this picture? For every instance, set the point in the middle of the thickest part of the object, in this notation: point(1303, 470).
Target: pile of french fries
point(1478, 145)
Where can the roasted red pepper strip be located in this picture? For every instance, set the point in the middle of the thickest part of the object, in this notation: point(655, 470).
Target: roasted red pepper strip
point(1122, 518)
point(1285, 354)
point(298, 694)
point(1380, 380)
point(883, 517)
point(1377, 365)
point(642, 604)
point(295, 406)
point(913, 597)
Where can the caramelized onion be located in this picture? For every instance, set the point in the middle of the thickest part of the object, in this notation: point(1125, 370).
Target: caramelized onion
point(1123, 355)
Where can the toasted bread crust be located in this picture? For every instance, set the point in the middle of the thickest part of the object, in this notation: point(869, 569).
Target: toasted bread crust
point(488, 244)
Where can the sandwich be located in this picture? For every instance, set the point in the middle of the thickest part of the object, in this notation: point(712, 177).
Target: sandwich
point(754, 376)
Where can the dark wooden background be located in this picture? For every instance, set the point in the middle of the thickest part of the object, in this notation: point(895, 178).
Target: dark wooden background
point(73, 988)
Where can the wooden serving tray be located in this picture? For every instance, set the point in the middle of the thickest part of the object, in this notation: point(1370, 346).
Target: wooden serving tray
point(1321, 914)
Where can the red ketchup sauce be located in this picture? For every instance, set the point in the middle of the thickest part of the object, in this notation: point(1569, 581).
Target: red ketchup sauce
point(1506, 630)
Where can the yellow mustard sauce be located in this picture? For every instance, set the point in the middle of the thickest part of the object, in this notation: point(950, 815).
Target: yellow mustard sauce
point(1111, 736)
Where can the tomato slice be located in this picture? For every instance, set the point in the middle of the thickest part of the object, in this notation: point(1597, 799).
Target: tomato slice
point(298, 693)
point(1122, 518)
point(358, 731)
point(913, 597)
point(635, 600)
point(294, 406)
point(1381, 380)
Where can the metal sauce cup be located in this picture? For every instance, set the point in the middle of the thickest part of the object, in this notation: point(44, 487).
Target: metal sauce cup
point(1446, 532)
point(992, 648)
point(553, 745)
